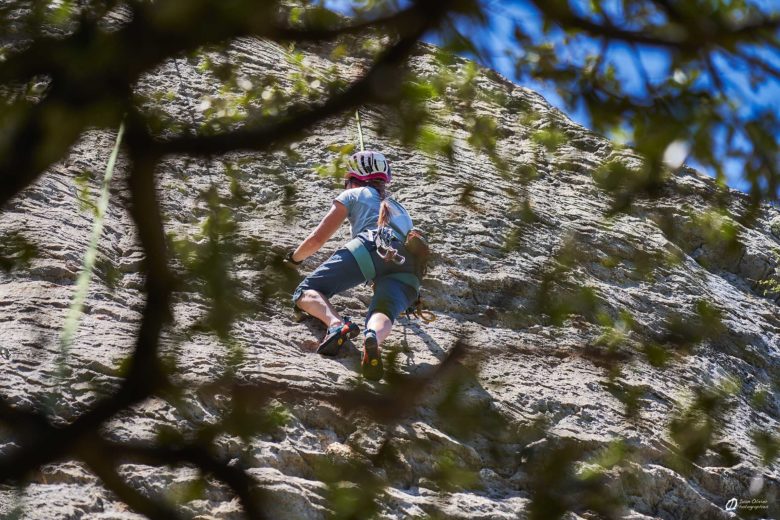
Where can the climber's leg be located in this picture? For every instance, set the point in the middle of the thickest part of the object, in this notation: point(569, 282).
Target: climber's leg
point(380, 324)
point(391, 298)
point(337, 274)
point(319, 306)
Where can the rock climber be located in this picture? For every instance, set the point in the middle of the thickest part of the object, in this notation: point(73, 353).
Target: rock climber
point(376, 254)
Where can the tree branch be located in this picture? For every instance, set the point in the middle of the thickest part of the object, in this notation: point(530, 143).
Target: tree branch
point(377, 85)
point(401, 22)
point(694, 39)
point(145, 41)
point(237, 479)
point(389, 405)
point(101, 457)
point(759, 63)
point(145, 376)
point(138, 46)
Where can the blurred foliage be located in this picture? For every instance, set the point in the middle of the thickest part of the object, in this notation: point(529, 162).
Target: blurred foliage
point(629, 395)
point(450, 474)
point(84, 196)
point(353, 489)
point(625, 183)
point(768, 444)
point(613, 348)
point(208, 257)
point(560, 295)
point(464, 416)
point(110, 274)
point(683, 332)
point(712, 58)
point(717, 228)
point(770, 286)
point(614, 454)
point(334, 170)
point(466, 196)
point(550, 139)
point(245, 420)
point(558, 485)
point(695, 428)
point(16, 251)
point(238, 195)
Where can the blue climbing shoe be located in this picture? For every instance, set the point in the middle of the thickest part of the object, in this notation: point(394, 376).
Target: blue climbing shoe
point(371, 363)
point(336, 336)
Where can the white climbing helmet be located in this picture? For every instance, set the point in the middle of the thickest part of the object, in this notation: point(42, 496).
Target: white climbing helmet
point(368, 165)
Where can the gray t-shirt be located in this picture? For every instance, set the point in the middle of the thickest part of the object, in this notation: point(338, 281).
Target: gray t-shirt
point(363, 211)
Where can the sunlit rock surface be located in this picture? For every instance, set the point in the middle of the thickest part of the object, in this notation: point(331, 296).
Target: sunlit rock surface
point(493, 258)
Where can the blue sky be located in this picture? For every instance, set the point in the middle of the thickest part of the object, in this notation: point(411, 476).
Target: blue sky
point(495, 39)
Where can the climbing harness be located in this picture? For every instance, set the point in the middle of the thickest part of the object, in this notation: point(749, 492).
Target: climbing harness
point(366, 265)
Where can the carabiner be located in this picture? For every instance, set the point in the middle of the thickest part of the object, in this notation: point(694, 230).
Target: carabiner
point(384, 255)
point(390, 255)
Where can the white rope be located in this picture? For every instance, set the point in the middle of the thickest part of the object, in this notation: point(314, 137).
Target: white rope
point(360, 130)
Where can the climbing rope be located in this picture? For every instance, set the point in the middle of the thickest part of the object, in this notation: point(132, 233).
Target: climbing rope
point(360, 130)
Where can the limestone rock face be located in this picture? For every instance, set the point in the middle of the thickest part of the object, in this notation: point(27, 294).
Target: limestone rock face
point(493, 259)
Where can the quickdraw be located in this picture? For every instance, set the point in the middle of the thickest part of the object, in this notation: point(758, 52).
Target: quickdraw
point(416, 310)
point(384, 248)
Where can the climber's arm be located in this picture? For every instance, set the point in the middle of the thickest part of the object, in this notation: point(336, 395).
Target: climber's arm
point(322, 233)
